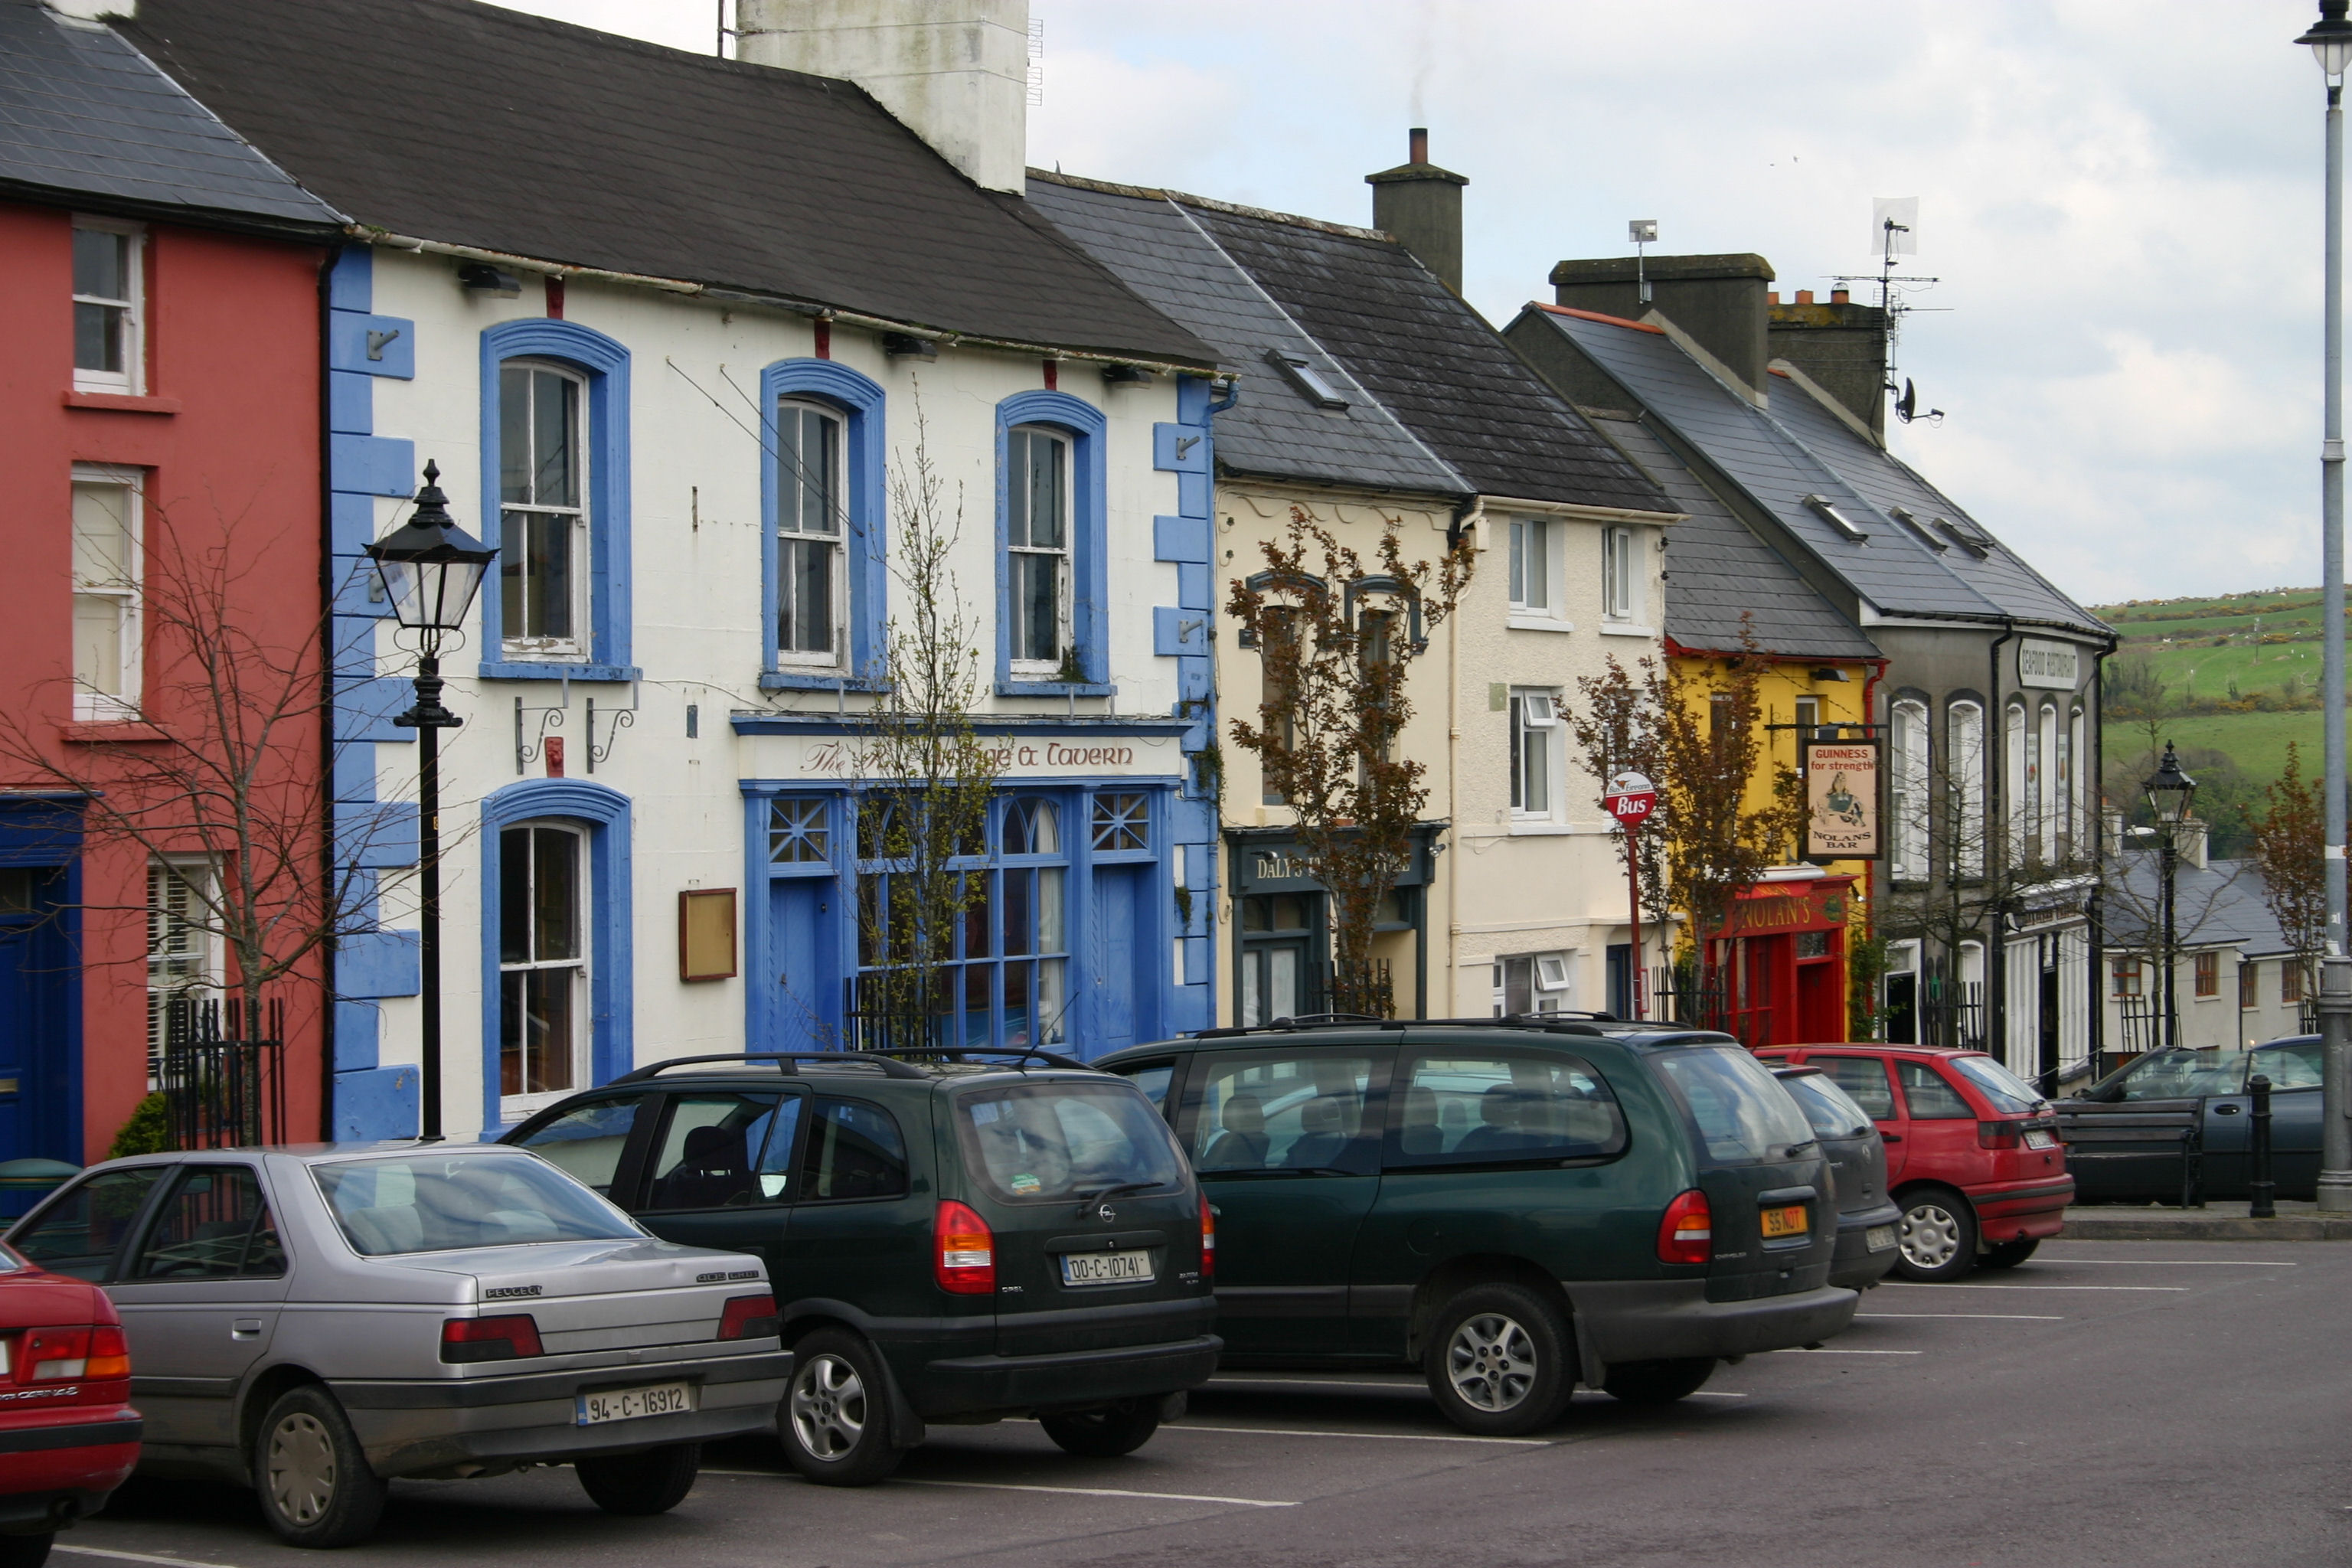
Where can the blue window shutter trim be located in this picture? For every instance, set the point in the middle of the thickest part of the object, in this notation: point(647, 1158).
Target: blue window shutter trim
point(350, 404)
point(351, 334)
point(1180, 448)
point(605, 363)
point(364, 709)
point(377, 964)
point(612, 987)
point(1175, 632)
point(863, 457)
point(380, 835)
point(373, 465)
point(351, 285)
point(1090, 552)
point(537, 669)
point(1181, 538)
point(354, 774)
point(354, 522)
point(356, 1026)
point(375, 1103)
point(1196, 587)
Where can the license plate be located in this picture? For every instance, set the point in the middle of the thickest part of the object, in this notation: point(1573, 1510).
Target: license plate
point(635, 1404)
point(1791, 1219)
point(1879, 1237)
point(2041, 1137)
point(1106, 1267)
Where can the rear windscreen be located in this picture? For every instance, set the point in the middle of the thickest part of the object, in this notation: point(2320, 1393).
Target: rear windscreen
point(2006, 1091)
point(1064, 1141)
point(1741, 1111)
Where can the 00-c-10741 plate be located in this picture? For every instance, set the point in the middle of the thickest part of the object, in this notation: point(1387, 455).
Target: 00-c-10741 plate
point(1107, 1269)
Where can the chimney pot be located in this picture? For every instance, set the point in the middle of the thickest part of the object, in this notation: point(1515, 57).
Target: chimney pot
point(1804, 296)
point(1421, 205)
point(1773, 298)
point(1840, 297)
point(1417, 144)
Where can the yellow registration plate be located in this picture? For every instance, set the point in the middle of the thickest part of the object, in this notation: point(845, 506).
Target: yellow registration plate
point(1791, 1219)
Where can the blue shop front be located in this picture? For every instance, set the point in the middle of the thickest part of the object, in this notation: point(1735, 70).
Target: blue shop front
point(1090, 930)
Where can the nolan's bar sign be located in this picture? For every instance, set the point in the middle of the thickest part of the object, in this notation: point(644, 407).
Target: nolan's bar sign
point(1842, 800)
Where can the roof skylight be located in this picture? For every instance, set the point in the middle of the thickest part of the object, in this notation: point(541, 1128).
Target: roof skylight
point(1837, 519)
point(1307, 380)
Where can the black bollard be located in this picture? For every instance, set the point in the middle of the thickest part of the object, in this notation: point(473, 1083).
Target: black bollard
point(2261, 1186)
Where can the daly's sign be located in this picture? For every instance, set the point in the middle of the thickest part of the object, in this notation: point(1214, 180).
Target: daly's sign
point(1843, 800)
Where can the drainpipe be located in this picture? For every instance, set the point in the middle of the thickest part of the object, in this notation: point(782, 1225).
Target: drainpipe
point(1870, 904)
point(1466, 516)
point(1997, 943)
point(2095, 906)
point(327, 679)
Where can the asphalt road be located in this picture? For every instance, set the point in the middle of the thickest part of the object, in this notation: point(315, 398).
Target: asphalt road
point(2127, 1403)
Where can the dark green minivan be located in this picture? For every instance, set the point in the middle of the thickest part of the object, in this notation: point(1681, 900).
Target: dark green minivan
point(1513, 1207)
point(950, 1241)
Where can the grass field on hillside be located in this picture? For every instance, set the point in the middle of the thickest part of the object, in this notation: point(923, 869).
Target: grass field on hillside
point(2256, 743)
point(2201, 670)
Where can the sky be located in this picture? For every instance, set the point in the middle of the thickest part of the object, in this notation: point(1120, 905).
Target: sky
point(2122, 203)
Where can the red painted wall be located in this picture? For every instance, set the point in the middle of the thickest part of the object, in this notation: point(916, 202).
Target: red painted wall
point(230, 452)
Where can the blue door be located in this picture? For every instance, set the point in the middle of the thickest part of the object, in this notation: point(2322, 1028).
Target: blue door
point(1122, 952)
point(805, 967)
point(40, 1113)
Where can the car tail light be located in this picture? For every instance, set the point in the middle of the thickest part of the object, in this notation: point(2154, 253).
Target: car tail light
point(1208, 1242)
point(750, 1318)
point(1998, 1134)
point(964, 1258)
point(491, 1339)
point(110, 1353)
point(1686, 1234)
point(72, 1353)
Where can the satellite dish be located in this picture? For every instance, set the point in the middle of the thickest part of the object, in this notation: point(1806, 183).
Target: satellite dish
point(1894, 226)
point(1908, 403)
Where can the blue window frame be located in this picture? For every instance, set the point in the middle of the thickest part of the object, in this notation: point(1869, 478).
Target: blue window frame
point(821, 501)
point(555, 487)
point(579, 915)
point(1050, 552)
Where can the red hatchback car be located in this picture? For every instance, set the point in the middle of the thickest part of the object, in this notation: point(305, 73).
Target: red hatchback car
point(67, 1434)
point(1973, 1158)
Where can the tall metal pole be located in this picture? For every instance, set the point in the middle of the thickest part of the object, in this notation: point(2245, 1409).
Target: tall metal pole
point(2336, 980)
point(2171, 860)
point(1634, 892)
point(428, 718)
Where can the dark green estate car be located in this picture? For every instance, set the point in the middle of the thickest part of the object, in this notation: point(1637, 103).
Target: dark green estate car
point(1515, 1207)
point(950, 1241)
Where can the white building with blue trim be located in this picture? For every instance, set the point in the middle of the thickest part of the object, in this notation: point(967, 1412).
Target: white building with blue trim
point(668, 356)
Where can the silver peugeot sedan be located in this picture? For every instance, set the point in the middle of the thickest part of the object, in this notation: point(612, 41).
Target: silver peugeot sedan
point(317, 1321)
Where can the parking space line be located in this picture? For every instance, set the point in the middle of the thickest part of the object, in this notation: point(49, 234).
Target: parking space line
point(2176, 1262)
point(2175, 1289)
point(139, 1557)
point(2005, 1317)
point(1086, 1492)
point(1382, 1437)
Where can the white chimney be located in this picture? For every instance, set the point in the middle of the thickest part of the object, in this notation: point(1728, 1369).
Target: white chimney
point(955, 72)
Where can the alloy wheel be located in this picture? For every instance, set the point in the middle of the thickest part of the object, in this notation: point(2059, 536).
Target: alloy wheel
point(1931, 1237)
point(1491, 1361)
point(828, 1406)
point(302, 1467)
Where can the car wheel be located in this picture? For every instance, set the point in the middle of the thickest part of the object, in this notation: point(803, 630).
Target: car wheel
point(25, 1551)
point(2009, 1254)
point(1498, 1361)
point(1936, 1242)
point(315, 1484)
point(1658, 1382)
point(835, 1422)
point(640, 1484)
point(1105, 1434)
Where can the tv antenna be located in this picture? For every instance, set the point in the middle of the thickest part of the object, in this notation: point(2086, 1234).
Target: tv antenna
point(1894, 231)
point(1642, 231)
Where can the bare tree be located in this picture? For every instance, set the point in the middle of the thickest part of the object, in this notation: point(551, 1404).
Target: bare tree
point(926, 774)
point(1338, 642)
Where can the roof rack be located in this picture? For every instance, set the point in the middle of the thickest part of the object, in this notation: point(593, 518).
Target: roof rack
point(890, 1066)
point(958, 1053)
point(1562, 1023)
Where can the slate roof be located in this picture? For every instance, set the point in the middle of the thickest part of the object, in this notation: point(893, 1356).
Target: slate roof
point(1159, 249)
point(1718, 571)
point(85, 119)
point(1798, 450)
point(2229, 893)
point(1413, 342)
point(468, 124)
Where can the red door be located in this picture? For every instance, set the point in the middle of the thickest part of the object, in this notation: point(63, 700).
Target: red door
point(1939, 1127)
point(1820, 1011)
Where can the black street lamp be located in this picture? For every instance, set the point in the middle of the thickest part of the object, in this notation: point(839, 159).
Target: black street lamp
point(431, 570)
point(2168, 794)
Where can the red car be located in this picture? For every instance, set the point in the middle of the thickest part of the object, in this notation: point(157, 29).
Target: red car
point(67, 1434)
point(1972, 1152)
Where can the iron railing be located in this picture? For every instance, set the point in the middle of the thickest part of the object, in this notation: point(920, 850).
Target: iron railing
point(221, 1088)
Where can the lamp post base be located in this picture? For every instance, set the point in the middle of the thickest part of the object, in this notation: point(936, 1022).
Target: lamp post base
point(2336, 1192)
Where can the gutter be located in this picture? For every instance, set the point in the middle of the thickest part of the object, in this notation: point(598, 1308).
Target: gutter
point(328, 950)
point(373, 236)
point(1997, 938)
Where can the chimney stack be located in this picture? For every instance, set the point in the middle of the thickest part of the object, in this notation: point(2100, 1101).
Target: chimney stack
point(955, 72)
point(1719, 300)
point(1841, 346)
point(1421, 205)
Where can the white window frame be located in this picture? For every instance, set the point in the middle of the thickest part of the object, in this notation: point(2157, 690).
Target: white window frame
point(132, 380)
point(1538, 589)
point(515, 1107)
point(514, 644)
point(2078, 826)
point(196, 968)
point(90, 705)
point(837, 432)
point(2014, 729)
point(1551, 981)
point(2049, 781)
point(1534, 718)
point(1964, 762)
point(1063, 632)
point(1910, 803)
point(1621, 573)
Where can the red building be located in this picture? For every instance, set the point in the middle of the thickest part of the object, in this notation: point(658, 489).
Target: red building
point(1781, 957)
point(161, 698)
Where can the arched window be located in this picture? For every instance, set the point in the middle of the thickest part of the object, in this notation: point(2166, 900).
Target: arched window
point(2017, 782)
point(2050, 782)
point(1964, 759)
point(821, 487)
point(2078, 760)
point(811, 526)
point(1051, 547)
point(1908, 799)
point(544, 943)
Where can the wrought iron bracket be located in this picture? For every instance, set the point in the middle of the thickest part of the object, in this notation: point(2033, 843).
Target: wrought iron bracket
point(550, 718)
point(622, 718)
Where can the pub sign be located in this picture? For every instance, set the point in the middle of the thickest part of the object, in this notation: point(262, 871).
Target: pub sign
point(1845, 799)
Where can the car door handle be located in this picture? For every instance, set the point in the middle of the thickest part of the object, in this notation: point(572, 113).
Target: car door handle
point(2227, 1109)
point(1890, 1138)
point(245, 1329)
